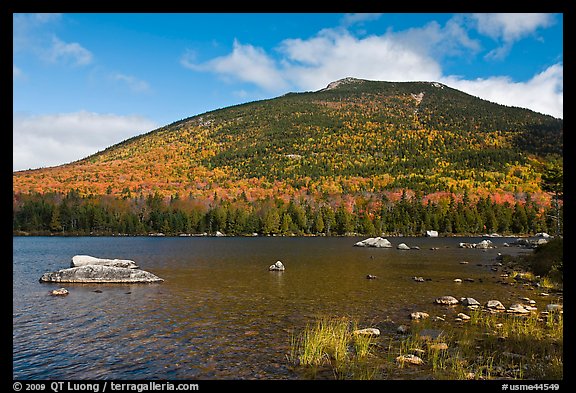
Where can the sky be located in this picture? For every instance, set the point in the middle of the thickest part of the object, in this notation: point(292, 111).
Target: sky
point(83, 82)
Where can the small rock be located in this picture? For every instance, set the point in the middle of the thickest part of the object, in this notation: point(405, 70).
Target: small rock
point(470, 302)
point(367, 332)
point(402, 329)
point(463, 316)
point(430, 334)
point(402, 246)
point(59, 292)
point(419, 315)
point(448, 300)
point(469, 279)
point(495, 305)
point(418, 279)
point(438, 347)
point(517, 308)
point(554, 307)
point(411, 359)
point(458, 280)
point(278, 266)
point(464, 262)
point(371, 277)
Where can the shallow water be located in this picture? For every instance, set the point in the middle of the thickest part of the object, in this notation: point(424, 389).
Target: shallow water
point(220, 314)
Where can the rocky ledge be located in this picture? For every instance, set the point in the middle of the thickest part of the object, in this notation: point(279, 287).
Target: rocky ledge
point(100, 274)
point(90, 270)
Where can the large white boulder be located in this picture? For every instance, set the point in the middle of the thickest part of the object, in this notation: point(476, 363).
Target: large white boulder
point(377, 242)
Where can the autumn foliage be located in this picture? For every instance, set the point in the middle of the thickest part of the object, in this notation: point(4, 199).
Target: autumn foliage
point(358, 148)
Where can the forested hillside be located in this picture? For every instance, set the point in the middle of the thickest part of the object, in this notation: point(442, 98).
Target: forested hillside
point(396, 157)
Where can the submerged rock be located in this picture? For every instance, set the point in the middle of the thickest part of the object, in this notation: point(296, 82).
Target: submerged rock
point(448, 300)
point(100, 274)
point(59, 292)
point(84, 260)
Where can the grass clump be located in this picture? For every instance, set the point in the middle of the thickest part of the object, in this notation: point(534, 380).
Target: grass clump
point(331, 344)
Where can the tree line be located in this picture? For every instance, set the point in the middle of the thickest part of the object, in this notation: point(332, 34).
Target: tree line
point(73, 214)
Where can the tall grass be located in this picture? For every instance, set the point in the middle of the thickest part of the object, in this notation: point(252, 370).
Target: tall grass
point(331, 342)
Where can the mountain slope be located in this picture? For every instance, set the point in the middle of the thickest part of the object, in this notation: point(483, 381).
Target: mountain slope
point(353, 135)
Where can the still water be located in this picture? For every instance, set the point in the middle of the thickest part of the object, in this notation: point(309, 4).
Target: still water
point(220, 314)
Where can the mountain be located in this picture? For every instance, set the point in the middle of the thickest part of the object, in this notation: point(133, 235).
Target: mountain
point(352, 136)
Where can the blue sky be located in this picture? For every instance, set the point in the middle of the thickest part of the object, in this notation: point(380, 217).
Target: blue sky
point(83, 82)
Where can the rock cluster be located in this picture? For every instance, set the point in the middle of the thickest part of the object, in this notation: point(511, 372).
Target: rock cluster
point(484, 244)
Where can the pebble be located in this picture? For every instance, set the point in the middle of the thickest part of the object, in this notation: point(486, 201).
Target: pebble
point(438, 346)
point(367, 332)
point(419, 315)
point(411, 359)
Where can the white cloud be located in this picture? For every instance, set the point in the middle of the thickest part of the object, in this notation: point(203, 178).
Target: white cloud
point(331, 55)
point(54, 139)
point(542, 93)
point(134, 84)
point(509, 28)
point(245, 63)
point(72, 53)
